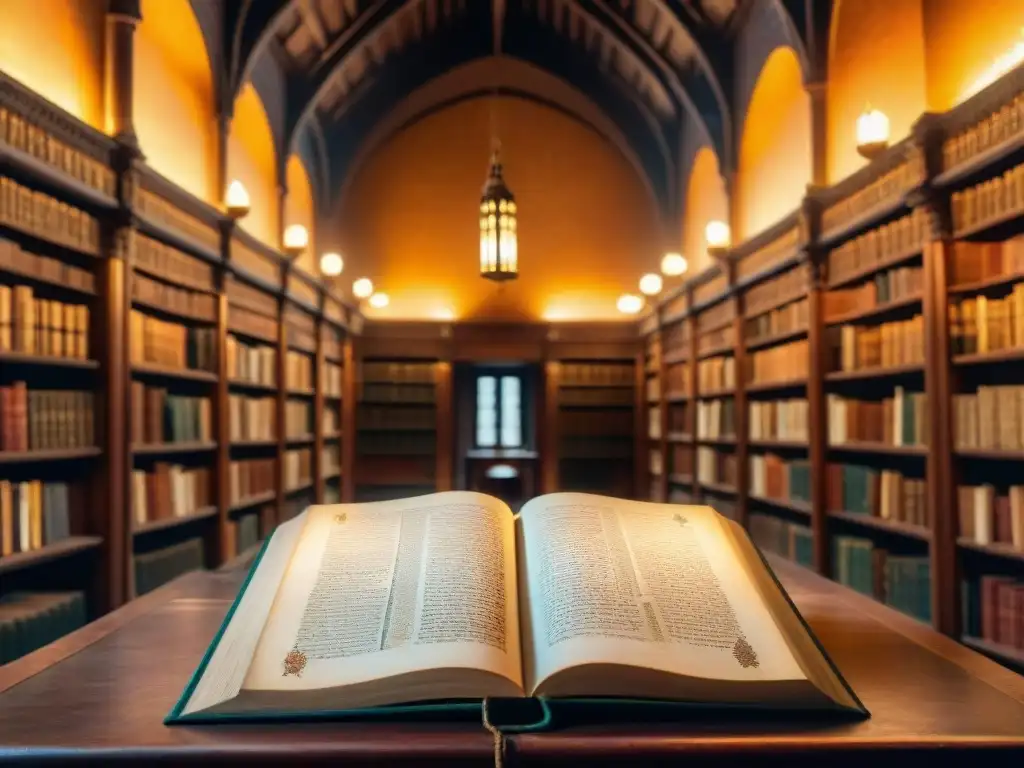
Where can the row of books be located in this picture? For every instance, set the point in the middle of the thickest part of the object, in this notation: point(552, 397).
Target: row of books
point(990, 131)
point(17, 132)
point(252, 418)
point(989, 517)
point(42, 420)
point(679, 418)
point(885, 287)
point(988, 201)
point(718, 316)
point(158, 417)
point(581, 423)
point(384, 418)
point(716, 418)
point(791, 540)
point(300, 339)
point(885, 494)
point(990, 419)
point(251, 323)
point(772, 477)
point(398, 373)
point(900, 581)
point(982, 324)
point(677, 380)
point(898, 420)
point(251, 363)
point(396, 444)
point(35, 326)
point(655, 462)
point(856, 348)
point(170, 344)
point(596, 375)
point(298, 418)
point(30, 620)
point(298, 371)
point(785, 289)
point(331, 421)
point(972, 262)
point(901, 237)
point(243, 296)
point(330, 460)
point(330, 383)
point(681, 460)
point(675, 341)
point(397, 393)
point(652, 391)
point(653, 350)
point(717, 340)
point(654, 422)
point(17, 261)
point(603, 447)
point(155, 568)
point(993, 609)
point(170, 491)
point(716, 374)
point(785, 319)
point(35, 514)
point(778, 419)
point(716, 467)
point(47, 218)
point(156, 258)
point(593, 396)
point(785, 362)
point(298, 468)
point(193, 304)
point(251, 477)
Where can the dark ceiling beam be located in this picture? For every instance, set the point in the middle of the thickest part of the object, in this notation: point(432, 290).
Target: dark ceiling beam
point(248, 25)
point(812, 20)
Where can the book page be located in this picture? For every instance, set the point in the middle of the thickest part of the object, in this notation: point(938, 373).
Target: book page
point(376, 590)
point(657, 586)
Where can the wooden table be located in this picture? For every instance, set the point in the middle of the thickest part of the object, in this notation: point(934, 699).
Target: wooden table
point(100, 694)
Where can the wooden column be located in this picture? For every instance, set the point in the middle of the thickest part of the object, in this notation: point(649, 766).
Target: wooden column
point(122, 17)
point(349, 396)
point(817, 91)
point(740, 410)
point(641, 456)
point(443, 391)
point(226, 539)
point(692, 403)
point(318, 409)
point(662, 406)
point(550, 428)
point(282, 398)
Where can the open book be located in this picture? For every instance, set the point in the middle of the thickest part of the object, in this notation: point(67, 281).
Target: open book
point(451, 597)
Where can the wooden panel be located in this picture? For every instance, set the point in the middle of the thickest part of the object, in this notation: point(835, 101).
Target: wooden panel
point(255, 262)
point(165, 215)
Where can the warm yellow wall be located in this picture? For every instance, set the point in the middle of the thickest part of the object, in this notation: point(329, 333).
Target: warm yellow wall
point(55, 47)
point(298, 209)
point(251, 160)
point(175, 116)
point(876, 57)
point(963, 40)
point(775, 149)
point(706, 200)
point(587, 227)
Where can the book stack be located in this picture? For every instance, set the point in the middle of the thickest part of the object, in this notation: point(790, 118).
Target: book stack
point(35, 514)
point(988, 202)
point(781, 295)
point(994, 129)
point(902, 237)
point(989, 517)
point(654, 422)
point(44, 420)
point(653, 390)
point(779, 420)
point(772, 477)
point(785, 362)
point(716, 419)
point(249, 478)
point(900, 420)
point(16, 261)
point(298, 468)
point(330, 460)
point(298, 371)
point(993, 610)
point(655, 464)
point(990, 419)
point(331, 422)
point(716, 375)
point(298, 419)
point(423, 373)
point(715, 467)
point(900, 581)
point(717, 340)
point(676, 341)
point(156, 258)
point(788, 318)
point(169, 491)
point(251, 363)
point(793, 541)
point(972, 262)
point(252, 322)
point(252, 418)
point(331, 380)
point(171, 345)
point(856, 348)
point(679, 421)
point(885, 494)
point(158, 417)
point(983, 324)
point(682, 461)
point(181, 301)
point(156, 568)
point(47, 218)
point(677, 380)
point(885, 287)
point(30, 620)
point(573, 374)
point(34, 326)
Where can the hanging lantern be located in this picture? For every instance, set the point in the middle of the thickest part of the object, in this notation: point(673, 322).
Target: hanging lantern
point(499, 255)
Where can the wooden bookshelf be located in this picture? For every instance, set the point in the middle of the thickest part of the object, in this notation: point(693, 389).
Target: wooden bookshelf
point(897, 296)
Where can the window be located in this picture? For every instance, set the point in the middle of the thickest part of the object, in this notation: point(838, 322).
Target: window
point(499, 411)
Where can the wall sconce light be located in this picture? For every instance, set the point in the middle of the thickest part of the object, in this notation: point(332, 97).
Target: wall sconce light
point(629, 304)
point(673, 264)
point(331, 264)
point(716, 233)
point(872, 133)
point(236, 200)
point(362, 288)
point(296, 238)
point(379, 300)
point(650, 284)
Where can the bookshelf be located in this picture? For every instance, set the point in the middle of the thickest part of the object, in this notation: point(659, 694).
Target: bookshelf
point(654, 411)
point(882, 346)
point(142, 340)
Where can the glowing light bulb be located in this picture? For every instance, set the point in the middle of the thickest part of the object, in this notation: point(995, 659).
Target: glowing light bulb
point(650, 284)
point(629, 304)
point(296, 238)
point(673, 264)
point(236, 200)
point(872, 132)
point(379, 300)
point(362, 288)
point(331, 264)
point(717, 234)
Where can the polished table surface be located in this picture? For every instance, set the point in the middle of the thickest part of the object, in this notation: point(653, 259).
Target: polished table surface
point(101, 694)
